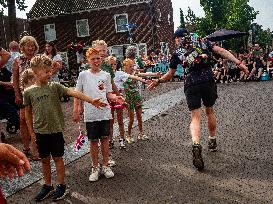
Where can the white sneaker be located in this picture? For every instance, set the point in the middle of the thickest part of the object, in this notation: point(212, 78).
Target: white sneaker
point(107, 172)
point(111, 162)
point(143, 137)
point(122, 144)
point(95, 174)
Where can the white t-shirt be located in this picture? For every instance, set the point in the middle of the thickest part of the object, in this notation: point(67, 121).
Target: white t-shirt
point(119, 79)
point(96, 86)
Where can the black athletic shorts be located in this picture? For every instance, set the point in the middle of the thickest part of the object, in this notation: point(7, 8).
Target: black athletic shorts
point(207, 92)
point(50, 144)
point(97, 130)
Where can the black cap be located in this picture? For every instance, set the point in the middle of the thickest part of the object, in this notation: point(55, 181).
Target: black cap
point(180, 32)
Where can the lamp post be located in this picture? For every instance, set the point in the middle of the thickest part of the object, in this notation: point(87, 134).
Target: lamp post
point(130, 26)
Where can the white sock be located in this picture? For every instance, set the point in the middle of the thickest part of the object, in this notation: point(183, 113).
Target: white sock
point(212, 137)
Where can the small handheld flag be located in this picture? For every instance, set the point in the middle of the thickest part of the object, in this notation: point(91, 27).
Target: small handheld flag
point(80, 141)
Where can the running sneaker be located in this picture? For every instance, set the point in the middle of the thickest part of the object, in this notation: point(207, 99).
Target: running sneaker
point(107, 172)
point(142, 137)
point(197, 156)
point(122, 144)
point(60, 192)
point(212, 145)
point(94, 176)
point(45, 192)
point(111, 144)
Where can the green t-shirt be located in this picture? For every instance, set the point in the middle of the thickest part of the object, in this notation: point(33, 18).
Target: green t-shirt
point(107, 68)
point(48, 117)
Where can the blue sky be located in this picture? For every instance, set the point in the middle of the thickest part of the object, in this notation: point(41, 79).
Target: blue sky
point(265, 7)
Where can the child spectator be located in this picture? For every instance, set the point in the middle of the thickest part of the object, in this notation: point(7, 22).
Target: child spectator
point(134, 101)
point(27, 80)
point(96, 83)
point(119, 79)
point(45, 122)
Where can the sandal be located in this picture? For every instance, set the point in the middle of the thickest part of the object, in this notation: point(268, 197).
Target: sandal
point(27, 152)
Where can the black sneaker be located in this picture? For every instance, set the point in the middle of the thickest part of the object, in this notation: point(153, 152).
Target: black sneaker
point(60, 192)
point(212, 145)
point(111, 144)
point(197, 156)
point(45, 192)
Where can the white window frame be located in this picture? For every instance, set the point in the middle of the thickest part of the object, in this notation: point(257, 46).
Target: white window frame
point(50, 34)
point(87, 28)
point(116, 26)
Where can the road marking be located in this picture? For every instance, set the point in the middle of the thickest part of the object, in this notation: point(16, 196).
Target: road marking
point(153, 107)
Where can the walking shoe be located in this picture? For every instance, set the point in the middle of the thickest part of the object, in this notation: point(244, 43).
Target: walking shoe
point(111, 162)
point(60, 192)
point(111, 144)
point(107, 172)
point(143, 137)
point(212, 145)
point(122, 144)
point(45, 192)
point(197, 156)
point(94, 176)
point(130, 140)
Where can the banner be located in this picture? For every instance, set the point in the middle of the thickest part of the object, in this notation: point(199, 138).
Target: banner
point(164, 68)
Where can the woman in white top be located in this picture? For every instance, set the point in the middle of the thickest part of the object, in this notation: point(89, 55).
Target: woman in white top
point(51, 52)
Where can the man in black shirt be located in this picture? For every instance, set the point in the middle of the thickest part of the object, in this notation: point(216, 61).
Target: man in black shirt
point(195, 54)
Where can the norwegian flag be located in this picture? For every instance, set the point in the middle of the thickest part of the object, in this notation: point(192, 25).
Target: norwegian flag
point(79, 142)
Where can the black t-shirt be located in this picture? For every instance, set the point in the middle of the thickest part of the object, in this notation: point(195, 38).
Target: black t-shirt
point(199, 68)
point(5, 76)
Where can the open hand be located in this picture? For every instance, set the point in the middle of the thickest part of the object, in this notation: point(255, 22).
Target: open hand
point(153, 84)
point(98, 103)
point(12, 161)
point(120, 100)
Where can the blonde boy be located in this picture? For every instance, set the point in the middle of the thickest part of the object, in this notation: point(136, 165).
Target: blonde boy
point(45, 121)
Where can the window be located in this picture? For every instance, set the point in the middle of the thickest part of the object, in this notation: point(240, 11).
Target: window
point(142, 48)
point(50, 32)
point(82, 28)
point(121, 22)
point(164, 48)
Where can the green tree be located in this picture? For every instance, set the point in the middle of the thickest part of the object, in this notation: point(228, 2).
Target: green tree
point(191, 20)
point(11, 6)
point(182, 19)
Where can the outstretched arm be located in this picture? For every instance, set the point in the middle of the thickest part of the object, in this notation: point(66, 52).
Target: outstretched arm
point(149, 74)
point(164, 78)
point(95, 102)
point(137, 78)
point(226, 54)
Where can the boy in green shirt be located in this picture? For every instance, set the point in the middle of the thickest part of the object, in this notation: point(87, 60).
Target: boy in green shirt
point(45, 121)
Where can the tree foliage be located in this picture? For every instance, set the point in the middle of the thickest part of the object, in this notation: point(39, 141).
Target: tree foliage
point(229, 14)
point(20, 5)
point(182, 19)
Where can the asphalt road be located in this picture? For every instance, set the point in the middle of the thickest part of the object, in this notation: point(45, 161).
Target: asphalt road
point(161, 170)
